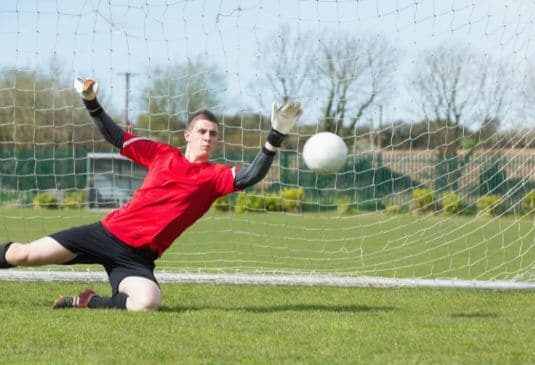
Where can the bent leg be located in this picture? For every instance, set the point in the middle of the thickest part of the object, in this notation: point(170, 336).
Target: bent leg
point(143, 295)
point(44, 251)
point(135, 293)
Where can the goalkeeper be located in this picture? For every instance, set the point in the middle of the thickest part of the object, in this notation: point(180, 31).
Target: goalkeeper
point(177, 190)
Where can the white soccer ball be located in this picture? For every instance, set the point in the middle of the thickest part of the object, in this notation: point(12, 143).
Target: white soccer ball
point(325, 153)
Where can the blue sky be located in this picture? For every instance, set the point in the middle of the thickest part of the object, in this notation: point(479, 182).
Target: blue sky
point(105, 39)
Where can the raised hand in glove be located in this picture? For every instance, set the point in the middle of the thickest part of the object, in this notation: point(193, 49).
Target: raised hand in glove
point(87, 88)
point(283, 120)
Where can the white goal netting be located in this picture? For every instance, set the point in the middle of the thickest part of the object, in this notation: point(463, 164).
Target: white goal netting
point(433, 99)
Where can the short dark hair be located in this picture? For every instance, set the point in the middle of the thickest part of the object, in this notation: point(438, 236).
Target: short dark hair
point(203, 114)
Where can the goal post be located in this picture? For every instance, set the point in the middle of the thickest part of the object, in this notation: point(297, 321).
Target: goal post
point(434, 102)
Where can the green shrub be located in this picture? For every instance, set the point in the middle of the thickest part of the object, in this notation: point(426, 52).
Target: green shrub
point(343, 206)
point(292, 199)
point(489, 205)
point(393, 209)
point(423, 199)
point(288, 200)
point(469, 209)
point(257, 203)
point(45, 200)
point(529, 202)
point(452, 203)
point(273, 203)
point(241, 203)
point(74, 200)
point(222, 204)
point(248, 203)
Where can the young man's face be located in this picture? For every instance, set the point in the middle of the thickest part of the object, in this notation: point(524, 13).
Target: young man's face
point(202, 136)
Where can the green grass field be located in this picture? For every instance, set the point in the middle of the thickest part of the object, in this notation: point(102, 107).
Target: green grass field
point(292, 324)
point(272, 325)
point(372, 244)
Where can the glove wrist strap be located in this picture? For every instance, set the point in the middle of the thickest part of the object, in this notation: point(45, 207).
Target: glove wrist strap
point(275, 138)
point(93, 106)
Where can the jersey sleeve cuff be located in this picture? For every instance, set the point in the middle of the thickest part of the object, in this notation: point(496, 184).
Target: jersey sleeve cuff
point(268, 152)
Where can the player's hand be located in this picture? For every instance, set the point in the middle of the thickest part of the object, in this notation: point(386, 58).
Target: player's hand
point(284, 118)
point(87, 88)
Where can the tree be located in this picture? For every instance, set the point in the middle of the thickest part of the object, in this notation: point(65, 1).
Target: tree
point(356, 72)
point(524, 103)
point(457, 89)
point(461, 89)
point(175, 92)
point(45, 131)
point(285, 65)
point(346, 73)
point(37, 108)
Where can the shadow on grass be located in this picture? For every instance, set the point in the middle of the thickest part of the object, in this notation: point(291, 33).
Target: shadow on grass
point(285, 308)
point(474, 315)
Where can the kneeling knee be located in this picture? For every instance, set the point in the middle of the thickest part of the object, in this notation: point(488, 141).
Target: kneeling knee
point(146, 304)
point(18, 254)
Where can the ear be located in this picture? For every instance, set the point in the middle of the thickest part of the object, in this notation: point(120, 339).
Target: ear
point(187, 135)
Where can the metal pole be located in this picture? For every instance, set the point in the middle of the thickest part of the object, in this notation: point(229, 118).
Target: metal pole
point(127, 91)
point(126, 99)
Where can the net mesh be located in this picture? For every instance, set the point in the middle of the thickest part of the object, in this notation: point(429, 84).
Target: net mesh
point(432, 98)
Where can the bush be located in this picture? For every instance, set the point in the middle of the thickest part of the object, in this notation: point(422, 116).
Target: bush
point(393, 209)
point(423, 199)
point(241, 203)
point(288, 200)
point(74, 200)
point(249, 203)
point(45, 200)
point(292, 199)
point(273, 203)
point(452, 203)
point(222, 204)
point(343, 206)
point(489, 205)
point(257, 203)
point(528, 202)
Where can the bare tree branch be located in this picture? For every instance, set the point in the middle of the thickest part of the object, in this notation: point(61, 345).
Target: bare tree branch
point(285, 63)
point(460, 88)
point(356, 71)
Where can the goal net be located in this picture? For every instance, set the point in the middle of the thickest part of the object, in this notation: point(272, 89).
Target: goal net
point(433, 100)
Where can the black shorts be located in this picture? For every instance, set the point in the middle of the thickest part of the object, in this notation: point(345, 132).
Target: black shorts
point(95, 245)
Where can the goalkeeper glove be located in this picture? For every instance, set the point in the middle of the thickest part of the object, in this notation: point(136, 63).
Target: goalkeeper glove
point(87, 88)
point(282, 121)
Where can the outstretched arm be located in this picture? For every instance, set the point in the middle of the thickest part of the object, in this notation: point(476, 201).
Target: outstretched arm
point(256, 171)
point(111, 132)
point(282, 121)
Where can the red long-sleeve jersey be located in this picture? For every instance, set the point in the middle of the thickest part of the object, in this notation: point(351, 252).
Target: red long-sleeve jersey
point(174, 194)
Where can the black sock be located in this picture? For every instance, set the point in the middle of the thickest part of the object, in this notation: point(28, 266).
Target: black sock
point(3, 249)
point(117, 301)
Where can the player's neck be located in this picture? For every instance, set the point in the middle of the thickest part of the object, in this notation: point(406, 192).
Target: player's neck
point(195, 158)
